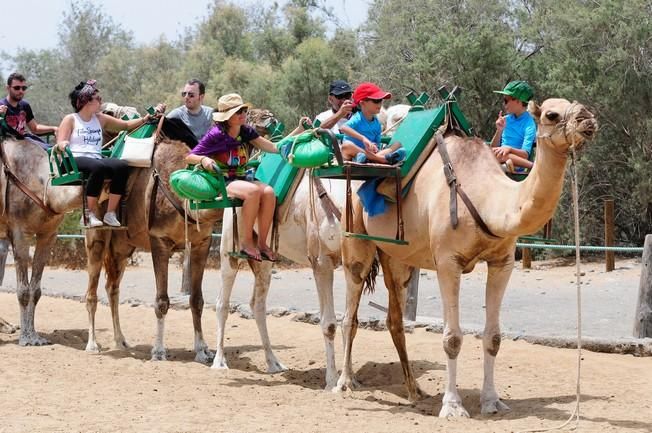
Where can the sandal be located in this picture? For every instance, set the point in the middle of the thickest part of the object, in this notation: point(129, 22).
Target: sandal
point(247, 255)
point(268, 255)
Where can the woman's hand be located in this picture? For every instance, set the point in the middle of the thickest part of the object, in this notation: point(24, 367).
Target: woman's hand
point(304, 123)
point(61, 146)
point(207, 163)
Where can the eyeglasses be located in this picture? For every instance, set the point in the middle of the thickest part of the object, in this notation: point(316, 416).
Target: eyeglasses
point(343, 96)
point(243, 110)
point(188, 94)
point(507, 100)
point(375, 101)
point(23, 88)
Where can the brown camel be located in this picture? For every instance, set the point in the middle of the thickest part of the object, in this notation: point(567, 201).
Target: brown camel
point(508, 208)
point(22, 219)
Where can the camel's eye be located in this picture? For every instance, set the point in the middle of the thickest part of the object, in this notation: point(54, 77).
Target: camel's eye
point(551, 115)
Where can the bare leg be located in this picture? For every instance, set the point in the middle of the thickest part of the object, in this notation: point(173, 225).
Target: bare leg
point(114, 200)
point(520, 161)
point(92, 204)
point(250, 193)
point(265, 217)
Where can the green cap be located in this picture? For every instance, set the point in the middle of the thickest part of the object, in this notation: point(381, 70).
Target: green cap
point(519, 90)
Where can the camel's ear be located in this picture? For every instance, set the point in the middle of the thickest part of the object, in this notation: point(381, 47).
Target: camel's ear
point(534, 109)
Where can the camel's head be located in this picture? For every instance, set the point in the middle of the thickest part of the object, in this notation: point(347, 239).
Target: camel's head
point(563, 124)
point(260, 119)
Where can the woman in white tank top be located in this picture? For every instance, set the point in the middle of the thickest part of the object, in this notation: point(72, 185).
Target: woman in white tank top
point(82, 131)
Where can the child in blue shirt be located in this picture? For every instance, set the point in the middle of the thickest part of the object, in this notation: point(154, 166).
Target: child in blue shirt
point(362, 131)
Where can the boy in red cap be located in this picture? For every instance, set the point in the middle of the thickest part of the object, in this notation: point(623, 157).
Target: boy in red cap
point(362, 131)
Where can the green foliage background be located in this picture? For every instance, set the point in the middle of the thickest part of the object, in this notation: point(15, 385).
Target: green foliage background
point(282, 58)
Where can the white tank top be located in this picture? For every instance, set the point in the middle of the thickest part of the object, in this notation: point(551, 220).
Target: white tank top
point(86, 137)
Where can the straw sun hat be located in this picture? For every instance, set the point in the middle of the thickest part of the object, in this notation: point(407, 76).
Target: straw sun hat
point(227, 106)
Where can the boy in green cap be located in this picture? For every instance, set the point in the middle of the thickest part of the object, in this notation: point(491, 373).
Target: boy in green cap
point(516, 131)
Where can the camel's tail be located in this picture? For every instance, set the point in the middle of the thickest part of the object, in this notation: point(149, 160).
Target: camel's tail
point(369, 285)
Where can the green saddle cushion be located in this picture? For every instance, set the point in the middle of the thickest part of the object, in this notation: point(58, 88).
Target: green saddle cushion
point(304, 150)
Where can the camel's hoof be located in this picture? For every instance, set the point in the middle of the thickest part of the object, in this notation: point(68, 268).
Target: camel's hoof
point(453, 410)
point(416, 395)
point(8, 328)
point(219, 363)
point(494, 406)
point(32, 339)
point(204, 356)
point(121, 345)
point(92, 347)
point(159, 355)
point(345, 384)
point(276, 367)
point(331, 382)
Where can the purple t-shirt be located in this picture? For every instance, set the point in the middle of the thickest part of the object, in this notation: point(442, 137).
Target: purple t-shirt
point(19, 116)
point(229, 153)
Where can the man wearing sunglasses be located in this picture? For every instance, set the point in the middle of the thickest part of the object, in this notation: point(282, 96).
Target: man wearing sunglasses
point(17, 112)
point(339, 101)
point(197, 117)
point(516, 131)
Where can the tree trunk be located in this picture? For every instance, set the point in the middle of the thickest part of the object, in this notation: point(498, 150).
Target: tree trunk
point(643, 317)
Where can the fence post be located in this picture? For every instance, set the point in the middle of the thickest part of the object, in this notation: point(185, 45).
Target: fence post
point(412, 296)
point(609, 234)
point(643, 316)
point(526, 257)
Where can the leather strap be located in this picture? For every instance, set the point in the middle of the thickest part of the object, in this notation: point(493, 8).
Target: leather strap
point(456, 189)
point(326, 201)
point(158, 185)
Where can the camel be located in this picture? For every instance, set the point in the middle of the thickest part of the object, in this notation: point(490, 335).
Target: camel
point(508, 208)
point(162, 233)
point(308, 236)
point(22, 219)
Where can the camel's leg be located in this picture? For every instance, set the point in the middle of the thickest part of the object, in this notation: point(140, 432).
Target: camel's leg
point(228, 272)
point(96, 248)
point(4, 251)
point(448, 275)
point(115, 262)
point(195, 267)
point(258, 303)
point(397, 276)
point(322, 270)
point(358, 256)
point(29, 291)
point(160, 258)
point(497, 279)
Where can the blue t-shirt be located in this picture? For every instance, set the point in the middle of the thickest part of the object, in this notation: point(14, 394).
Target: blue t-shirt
point(370, 129)
point(520, 132)
point(19, 116)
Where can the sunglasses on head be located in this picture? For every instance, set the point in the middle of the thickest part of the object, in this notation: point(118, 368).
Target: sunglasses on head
point(23, 88)
point(188, 94)
point(243, 110)
point(375, 101)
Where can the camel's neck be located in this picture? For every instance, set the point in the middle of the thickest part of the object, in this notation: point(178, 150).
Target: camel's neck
point(539, 193)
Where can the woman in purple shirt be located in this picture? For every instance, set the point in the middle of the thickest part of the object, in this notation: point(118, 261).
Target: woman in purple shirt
point(224, 145)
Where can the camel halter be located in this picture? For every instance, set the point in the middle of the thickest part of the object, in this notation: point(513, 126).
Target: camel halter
point(576, 220)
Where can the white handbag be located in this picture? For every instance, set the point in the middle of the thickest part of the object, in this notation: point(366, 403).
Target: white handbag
point(138, 151)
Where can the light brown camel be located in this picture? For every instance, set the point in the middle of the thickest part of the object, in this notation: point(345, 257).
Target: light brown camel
point(22, 219)
point(508, 208)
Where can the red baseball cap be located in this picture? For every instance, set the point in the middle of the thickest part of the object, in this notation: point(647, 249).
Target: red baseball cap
point(369, 91)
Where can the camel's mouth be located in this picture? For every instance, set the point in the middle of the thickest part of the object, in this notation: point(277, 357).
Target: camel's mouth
point(587, 126)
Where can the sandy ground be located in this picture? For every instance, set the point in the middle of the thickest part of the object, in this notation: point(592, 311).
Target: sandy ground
point(61, 388)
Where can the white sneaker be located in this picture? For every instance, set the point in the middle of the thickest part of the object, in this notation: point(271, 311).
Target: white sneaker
point(110, 219)
point(93, 221)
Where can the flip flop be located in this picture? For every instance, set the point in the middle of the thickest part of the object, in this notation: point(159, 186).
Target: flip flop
point(245, 255)
point(268, 255)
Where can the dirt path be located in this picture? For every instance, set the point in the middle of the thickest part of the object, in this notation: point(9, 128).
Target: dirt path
point(60, 388)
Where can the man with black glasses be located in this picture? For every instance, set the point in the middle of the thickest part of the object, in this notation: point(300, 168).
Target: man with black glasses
point(197, 117)
point(339, 101)
point(17, 112)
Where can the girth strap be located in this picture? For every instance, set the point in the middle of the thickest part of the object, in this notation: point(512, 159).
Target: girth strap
point(158, 185)
point(326, 201)
point(456, 189)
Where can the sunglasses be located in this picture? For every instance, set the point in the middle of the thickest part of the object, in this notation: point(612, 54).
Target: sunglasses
point(97, 98)
point(375, 101)
point(243, 110)
point(23, 88)
point(188, 94)
point(508, 100)
point(343, 96)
